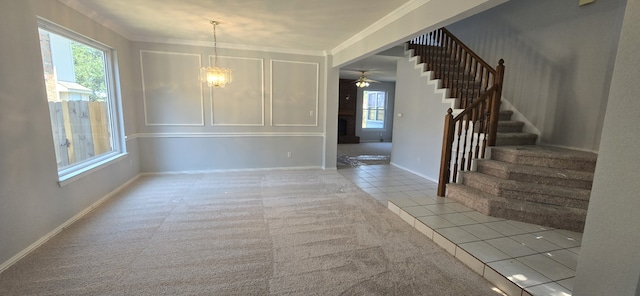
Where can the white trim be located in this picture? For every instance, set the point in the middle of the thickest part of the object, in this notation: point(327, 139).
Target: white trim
point(64, 225)
point(80, 172)
point(224, 135)
point(414, 172)
point(317, 92)
point(436, 83)
point(393, 16)
point(528, 126)
point(232, 170)
point(77, 170)
point(144, 93)
point(567, 147)
point(261, 60)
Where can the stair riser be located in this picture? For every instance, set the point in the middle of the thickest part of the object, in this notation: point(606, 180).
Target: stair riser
point(468, 199)
point(517, 176)
point(569, 221)
point(505, 115)
point(509, 128)
point(515, 141)
point(563, 222)
point(579, 202)
point(568, 164)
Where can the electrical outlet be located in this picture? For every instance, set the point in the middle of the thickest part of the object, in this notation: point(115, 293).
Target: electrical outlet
point(289, 155)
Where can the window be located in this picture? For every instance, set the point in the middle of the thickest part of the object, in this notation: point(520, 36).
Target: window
point(82, 102)
point(374, 105)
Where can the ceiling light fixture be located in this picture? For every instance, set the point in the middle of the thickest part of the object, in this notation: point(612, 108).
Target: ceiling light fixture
point(363, 81)
point(216, 76)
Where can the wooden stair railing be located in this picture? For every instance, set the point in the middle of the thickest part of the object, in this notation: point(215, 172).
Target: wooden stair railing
point(476, 87)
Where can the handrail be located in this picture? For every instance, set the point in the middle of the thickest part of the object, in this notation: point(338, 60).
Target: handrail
point(461, 70)
point(476, 87)
point(476, 114)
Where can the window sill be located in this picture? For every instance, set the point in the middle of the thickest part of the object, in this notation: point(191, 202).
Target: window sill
point(71, 177)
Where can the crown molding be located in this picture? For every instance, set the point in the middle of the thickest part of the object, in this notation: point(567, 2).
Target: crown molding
point(381, 23)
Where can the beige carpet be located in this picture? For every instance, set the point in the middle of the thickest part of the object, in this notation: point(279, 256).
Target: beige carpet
point(307, 232)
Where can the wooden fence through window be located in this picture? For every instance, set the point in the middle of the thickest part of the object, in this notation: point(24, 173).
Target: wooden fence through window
point(80, 130)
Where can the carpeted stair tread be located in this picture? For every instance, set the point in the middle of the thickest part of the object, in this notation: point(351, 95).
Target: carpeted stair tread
point(536, 174)
point(510, 126)
point(546, 156)
point(532, 192)
point(509, 139)
point(519, 210)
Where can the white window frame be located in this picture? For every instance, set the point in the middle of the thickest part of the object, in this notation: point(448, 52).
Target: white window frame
point(78, 170)
point(386, 109)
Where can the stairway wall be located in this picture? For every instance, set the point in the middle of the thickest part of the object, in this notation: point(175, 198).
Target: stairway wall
point(609, 263)
point(559, 58)
point(417, 134)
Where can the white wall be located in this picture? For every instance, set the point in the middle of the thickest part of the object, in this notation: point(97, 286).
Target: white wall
point(609, 263)
point(558, 57)
point(32, 204)
point(275, 105)
point(417, 134)
point(374, 135)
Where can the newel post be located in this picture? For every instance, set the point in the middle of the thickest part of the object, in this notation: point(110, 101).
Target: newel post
point(495, 104)
point(445, 160)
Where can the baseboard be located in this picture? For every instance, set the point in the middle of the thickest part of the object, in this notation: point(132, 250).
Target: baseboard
point(414, 172)
point(64, 225)
point(571, 148)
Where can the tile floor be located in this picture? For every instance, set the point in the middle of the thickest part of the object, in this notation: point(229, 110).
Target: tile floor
point(519, 258)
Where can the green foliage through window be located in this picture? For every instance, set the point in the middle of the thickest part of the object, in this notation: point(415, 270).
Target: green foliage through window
point(89, 68)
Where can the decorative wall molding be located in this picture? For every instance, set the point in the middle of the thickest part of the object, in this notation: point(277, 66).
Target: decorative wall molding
point(223, 135)
point(232, 170)
point(294, 88)
point(242, 102)
point(170, 85)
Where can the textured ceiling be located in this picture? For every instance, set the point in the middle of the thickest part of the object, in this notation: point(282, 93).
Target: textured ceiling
point(289, 25)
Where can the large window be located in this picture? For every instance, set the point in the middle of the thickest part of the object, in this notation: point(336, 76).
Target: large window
point(82, 102)
point(374, 105)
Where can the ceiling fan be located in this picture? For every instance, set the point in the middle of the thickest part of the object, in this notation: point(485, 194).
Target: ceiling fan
point(363, 81)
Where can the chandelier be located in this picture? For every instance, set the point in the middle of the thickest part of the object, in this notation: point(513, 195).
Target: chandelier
point(216, 76)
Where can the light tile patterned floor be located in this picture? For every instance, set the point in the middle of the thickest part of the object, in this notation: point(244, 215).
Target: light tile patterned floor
point(536, 260)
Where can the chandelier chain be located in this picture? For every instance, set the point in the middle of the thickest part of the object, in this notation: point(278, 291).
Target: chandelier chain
point(215, 44)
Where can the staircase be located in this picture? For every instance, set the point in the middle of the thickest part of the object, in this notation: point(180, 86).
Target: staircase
point(519, 180)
